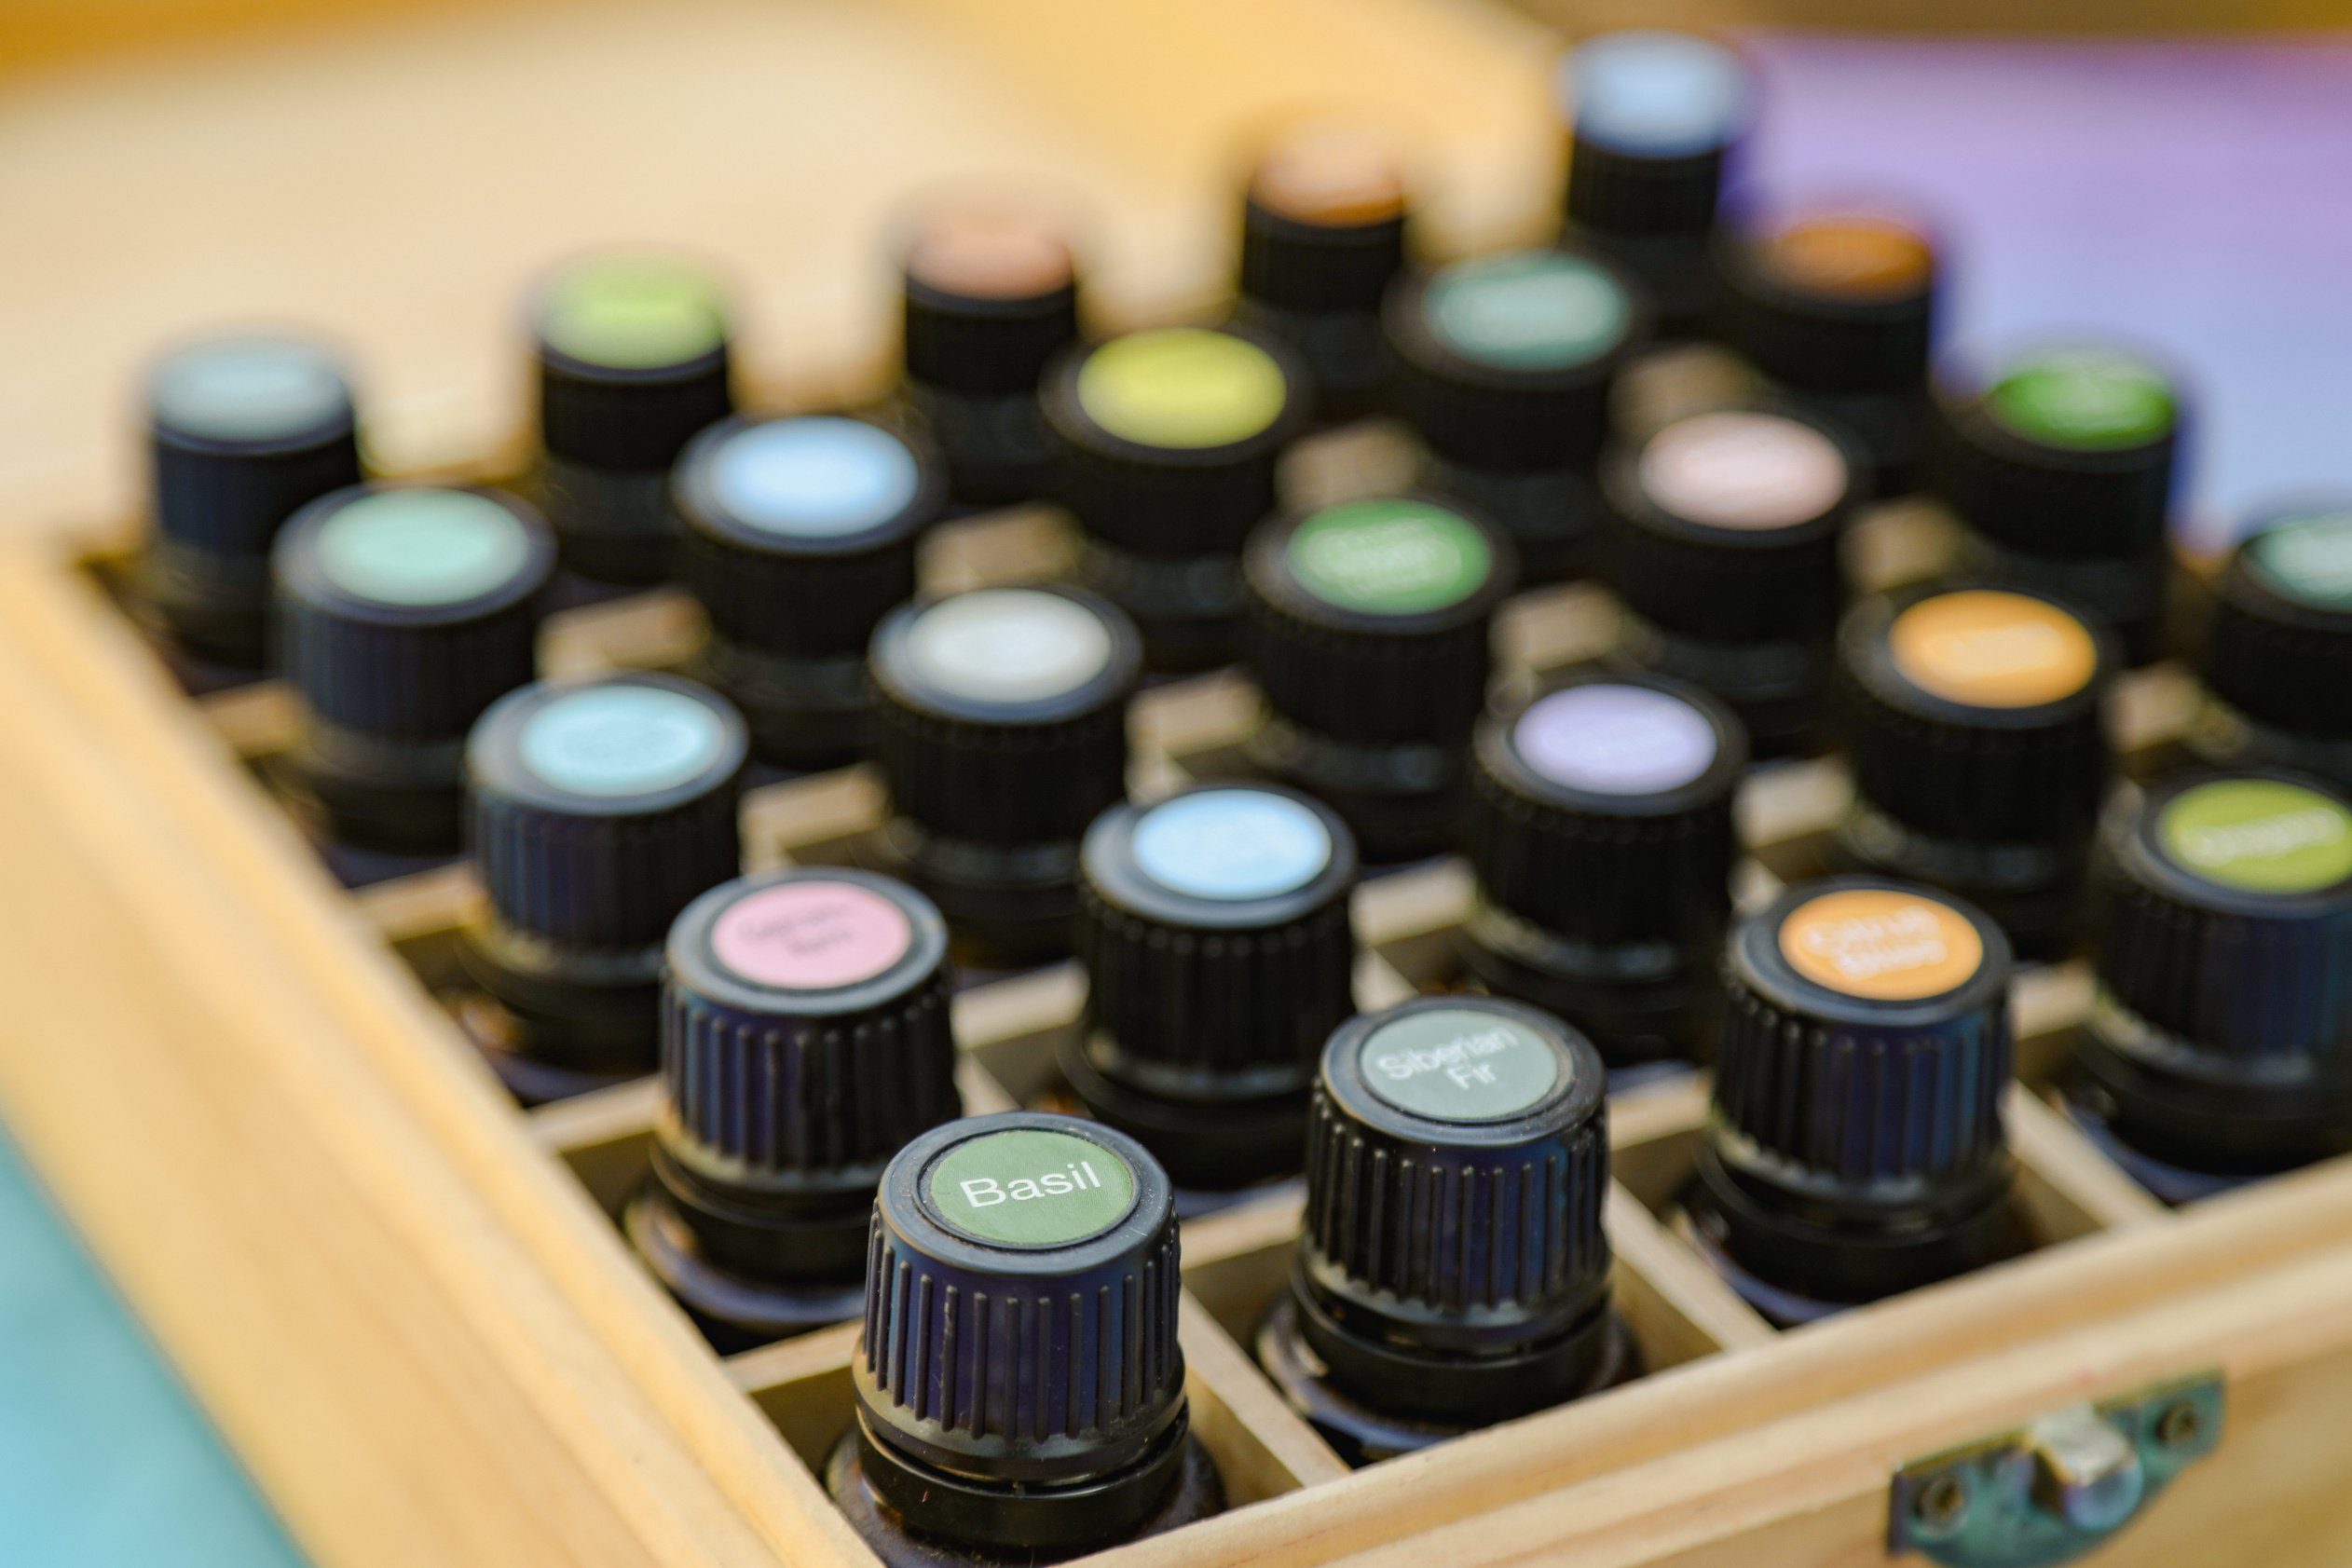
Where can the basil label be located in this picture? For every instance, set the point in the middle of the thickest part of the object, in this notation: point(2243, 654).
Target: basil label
point(1031, 1187)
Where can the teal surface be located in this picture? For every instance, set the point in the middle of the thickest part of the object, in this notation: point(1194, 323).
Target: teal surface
point(105, 1460)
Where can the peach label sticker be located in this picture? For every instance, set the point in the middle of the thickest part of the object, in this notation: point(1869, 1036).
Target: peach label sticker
point(1991, 650)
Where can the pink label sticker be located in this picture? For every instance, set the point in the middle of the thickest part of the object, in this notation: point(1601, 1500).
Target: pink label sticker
point(812, 936)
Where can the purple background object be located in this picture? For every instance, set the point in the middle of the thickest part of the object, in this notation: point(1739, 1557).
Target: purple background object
point(2194, 199)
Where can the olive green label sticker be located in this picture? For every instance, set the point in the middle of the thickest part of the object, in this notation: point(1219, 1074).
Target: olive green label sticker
point(2259, 835)
point(1389, 557)
point(422, 546)
point(1031, 1187)
point(632, 312)
point(1183, 386)
point(1528, 310)
point(2089, 399)
point(2307, 558)
point(1460, 1064)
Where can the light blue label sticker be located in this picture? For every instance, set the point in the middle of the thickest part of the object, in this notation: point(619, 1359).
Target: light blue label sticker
point(1656, 94)
point(607, 740)
point(815, 478)
point(1232, 844)
point(249, 388)
point(421, 547)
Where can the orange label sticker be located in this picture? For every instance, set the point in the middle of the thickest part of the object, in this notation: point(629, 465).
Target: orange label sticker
point(1852, 258)
point(1991, 650)
point(1881, 945)
point(1335, 175)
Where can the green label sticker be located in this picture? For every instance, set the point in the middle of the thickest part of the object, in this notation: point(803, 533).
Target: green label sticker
point(1460, 1064)
point(422, 546)
point(1389, 557)
point(1528, 310)
point(632, 312)
point(2088, 399)
point(2307, 558)
point(2259, 835)
point(1183, 386)
point(1031, 1187)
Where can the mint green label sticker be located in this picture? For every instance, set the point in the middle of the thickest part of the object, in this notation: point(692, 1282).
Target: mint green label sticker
point(1460, 1064)
point(1528, 310)
point(2259, 835)
point(2307, 558)
point(1031, 1187)
point(621, 740)
point(421, 547)
point(632, 312)
point(2088, 399)
point(1389, 556)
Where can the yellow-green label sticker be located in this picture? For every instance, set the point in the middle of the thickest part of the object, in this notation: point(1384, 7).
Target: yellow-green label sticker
point(2088, 399)
point(2307, 557)
point(1183, 386)
point(1461, 1063)
point(1389, 556)
point(1528, 310)
point(422, 546)
point(632, 312)
point(1031, 1187)
point(2258, 836)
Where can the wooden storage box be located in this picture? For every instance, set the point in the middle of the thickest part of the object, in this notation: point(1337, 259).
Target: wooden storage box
point(404, 1300)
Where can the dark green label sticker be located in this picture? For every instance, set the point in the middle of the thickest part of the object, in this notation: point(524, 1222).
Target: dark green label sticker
point(2259, 835)
point(1528, 310)
point(1458, 1064)
point(2307, 558)
point(1031, 1187)
point(1389, 556)
point(2088, 399)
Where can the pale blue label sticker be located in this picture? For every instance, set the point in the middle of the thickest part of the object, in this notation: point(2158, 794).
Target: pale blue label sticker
point(421, 547)
point(1008, 644)
point(1656, 94)
point(609, 741)
point(1614, 740)
point(1232, 844)
point(819, 477)
point(255, 389)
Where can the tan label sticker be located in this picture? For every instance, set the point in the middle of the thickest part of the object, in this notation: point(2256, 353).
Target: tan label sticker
point(1992, 649)
point(983, 254)
point(1852, 258)
point(1339, 175)
point(1881, 945)
point(1747, 471)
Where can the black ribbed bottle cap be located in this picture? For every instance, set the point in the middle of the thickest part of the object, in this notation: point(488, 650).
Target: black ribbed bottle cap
point(1003, 733)
point(1018, 1382)
point(1653, 117)
point(1369, 633)
point(1166, 443)
point(242, 432)
point(2278, 649)
point(805, 1039)
point(1452, 1264)
point(402, 612)
point(799, 534)
point(1833, 301)
point(1855, 1145)
point(990, 297)
point(1602, 838)
point(2222, 1034)
point(1973, 721)
point(1214, 931)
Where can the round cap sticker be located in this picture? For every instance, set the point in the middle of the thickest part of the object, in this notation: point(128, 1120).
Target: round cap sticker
point(2089, 399)
point(1614, 740)
point(818, 477)
point(1851, 258)
point(1389, 557)
point(1528, 310)
point(1031, 1187)
point(1880, 944)
point(811, 936)
point(621, 740)
point(2307, 558)
point(1458, 1064)
point(2258, 836)
point(421, 547)
point(990, 255)
point(1182, 386)
point(249, 388)
point(1748, 472)
point(1992, 649)
point(1656, 94)
point(1232, 844)
point(632, 312)
point(1008, 644)
point(1336, 174)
